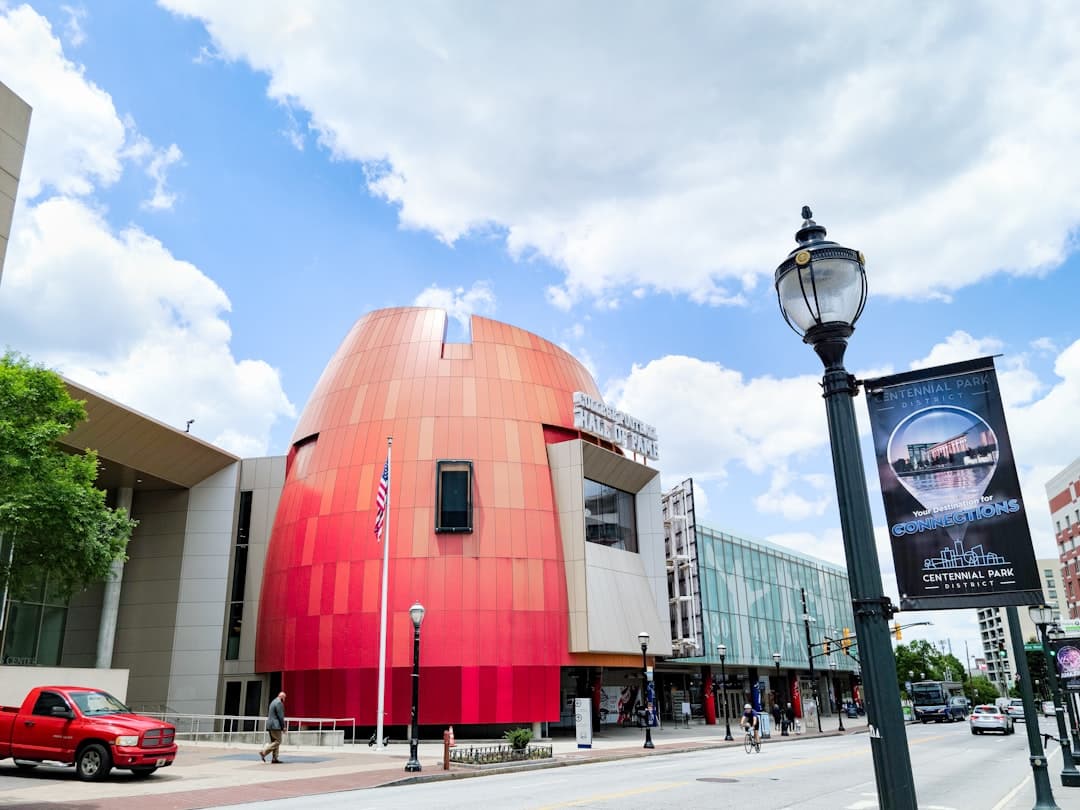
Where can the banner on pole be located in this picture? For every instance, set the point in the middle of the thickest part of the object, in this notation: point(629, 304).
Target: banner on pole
point(1067, 658)
point(956, 519)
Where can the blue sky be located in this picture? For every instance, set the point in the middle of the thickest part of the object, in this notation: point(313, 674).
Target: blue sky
point(212, 196)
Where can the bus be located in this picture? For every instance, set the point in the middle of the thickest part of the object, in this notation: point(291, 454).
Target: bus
point(941, 701)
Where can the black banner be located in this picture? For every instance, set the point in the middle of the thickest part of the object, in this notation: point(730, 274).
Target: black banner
point(1067, 656)
point(957, 523)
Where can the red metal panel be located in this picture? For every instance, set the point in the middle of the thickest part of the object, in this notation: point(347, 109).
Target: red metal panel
point(496, 632)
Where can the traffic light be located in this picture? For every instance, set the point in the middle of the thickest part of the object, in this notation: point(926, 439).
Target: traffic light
point(826, 647)
point(896, 629)
point(1001, 650)
point(845, 642)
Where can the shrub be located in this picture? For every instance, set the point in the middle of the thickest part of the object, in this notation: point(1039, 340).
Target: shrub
point(518, 738)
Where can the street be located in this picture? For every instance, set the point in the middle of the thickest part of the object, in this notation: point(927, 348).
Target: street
point(954, 770)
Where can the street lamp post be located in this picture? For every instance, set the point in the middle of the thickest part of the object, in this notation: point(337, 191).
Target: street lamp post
point(1044, 794)
point(416, 613)
point(839, 697)
point(643, 639)
point(821, 289)
point(1043, 616)
point(721, 650)
point(776, 660)
point(807, 618)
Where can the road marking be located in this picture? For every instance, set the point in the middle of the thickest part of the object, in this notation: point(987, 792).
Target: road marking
point(1026, 781)
point(603, 797)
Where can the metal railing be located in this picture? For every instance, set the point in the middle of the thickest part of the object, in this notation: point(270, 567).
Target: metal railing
point(231, 728)
point(491, 754)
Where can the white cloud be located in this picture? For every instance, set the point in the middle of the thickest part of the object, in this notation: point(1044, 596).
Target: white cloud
point(1044, 345)
point(709, 416)
point(162, 199)
point(459, 303)
point(1017, 382)
point(110, 307)
point(670, 147)
point(78, 141)
point(73, 30)
point(76, 134)
point(119, 313)
point(783, 499)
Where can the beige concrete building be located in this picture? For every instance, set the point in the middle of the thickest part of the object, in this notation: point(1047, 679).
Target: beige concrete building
point(14, 128)
point(994, 625)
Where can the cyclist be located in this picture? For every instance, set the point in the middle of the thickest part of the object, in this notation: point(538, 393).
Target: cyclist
point(749, 720)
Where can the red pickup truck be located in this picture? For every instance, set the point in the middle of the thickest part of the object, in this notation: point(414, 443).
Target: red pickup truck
point(87, 727)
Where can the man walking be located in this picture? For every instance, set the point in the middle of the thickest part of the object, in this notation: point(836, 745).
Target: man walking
point(789, 720)
point(275, 726)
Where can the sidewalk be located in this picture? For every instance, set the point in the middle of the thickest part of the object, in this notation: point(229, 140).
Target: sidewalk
point(211, 776)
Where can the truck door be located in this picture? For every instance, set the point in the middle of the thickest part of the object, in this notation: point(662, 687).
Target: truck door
point(42, 734)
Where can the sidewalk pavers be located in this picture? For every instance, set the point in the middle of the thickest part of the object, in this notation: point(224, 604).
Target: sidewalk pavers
point(207, 776)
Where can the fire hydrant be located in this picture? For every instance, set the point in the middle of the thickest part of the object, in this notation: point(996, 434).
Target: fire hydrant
point(448, 743)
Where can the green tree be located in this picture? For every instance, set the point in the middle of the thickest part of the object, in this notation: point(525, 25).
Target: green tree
point(918, 658)
point(53, 520)
point(982, 690)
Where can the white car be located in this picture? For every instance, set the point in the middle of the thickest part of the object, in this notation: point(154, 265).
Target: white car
point(1015, 709)
point(1048, 709)
point(990, 718)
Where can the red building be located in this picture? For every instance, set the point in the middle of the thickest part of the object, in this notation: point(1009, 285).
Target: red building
point(536, 548)
point(1063, 492)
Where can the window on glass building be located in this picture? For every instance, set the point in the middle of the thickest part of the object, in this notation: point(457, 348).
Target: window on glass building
point(453, 496)
point(34, 628)
point(609, 516)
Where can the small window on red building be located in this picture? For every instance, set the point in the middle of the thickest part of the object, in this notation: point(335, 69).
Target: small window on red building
point(453, 496)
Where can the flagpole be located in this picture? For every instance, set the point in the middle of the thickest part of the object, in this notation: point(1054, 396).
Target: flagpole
point(382, 609)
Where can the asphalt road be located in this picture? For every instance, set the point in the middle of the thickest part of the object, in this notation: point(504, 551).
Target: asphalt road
point(954, 770)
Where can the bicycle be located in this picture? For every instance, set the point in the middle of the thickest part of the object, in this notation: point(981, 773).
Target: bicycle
point(749, 743)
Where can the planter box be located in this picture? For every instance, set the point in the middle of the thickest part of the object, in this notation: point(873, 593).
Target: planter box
point(497, 754)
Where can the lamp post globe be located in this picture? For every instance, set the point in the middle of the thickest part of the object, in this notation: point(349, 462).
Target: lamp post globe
point(821, 289)
point(721, 650)
point(416, 614)
point(643, 640)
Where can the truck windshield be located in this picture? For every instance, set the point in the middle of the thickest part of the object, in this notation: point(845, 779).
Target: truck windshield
point(94, 703)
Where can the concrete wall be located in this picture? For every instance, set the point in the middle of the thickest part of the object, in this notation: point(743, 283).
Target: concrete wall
point(14, 128)
point(149, 589)
point(200, 605)
point(265, 478)
point(613, 594)
point(16, 682)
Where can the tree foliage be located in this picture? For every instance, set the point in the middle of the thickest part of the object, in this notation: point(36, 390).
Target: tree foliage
point(920, 660)
point(53, 520)
point(981, 689)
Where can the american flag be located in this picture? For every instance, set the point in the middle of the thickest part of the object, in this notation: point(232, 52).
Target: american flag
point(380, 499)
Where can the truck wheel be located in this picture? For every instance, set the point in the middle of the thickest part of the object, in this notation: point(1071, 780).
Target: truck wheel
point(142, 773)
point(93, 763)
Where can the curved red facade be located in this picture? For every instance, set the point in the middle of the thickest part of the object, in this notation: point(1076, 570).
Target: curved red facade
point(495, 634)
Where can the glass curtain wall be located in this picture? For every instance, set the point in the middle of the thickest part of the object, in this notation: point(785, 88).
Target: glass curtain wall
point(751, 601)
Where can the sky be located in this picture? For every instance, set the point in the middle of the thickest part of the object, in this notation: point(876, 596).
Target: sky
point(213, 193)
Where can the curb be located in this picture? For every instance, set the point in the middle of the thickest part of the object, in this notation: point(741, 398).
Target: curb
point(567, 760)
